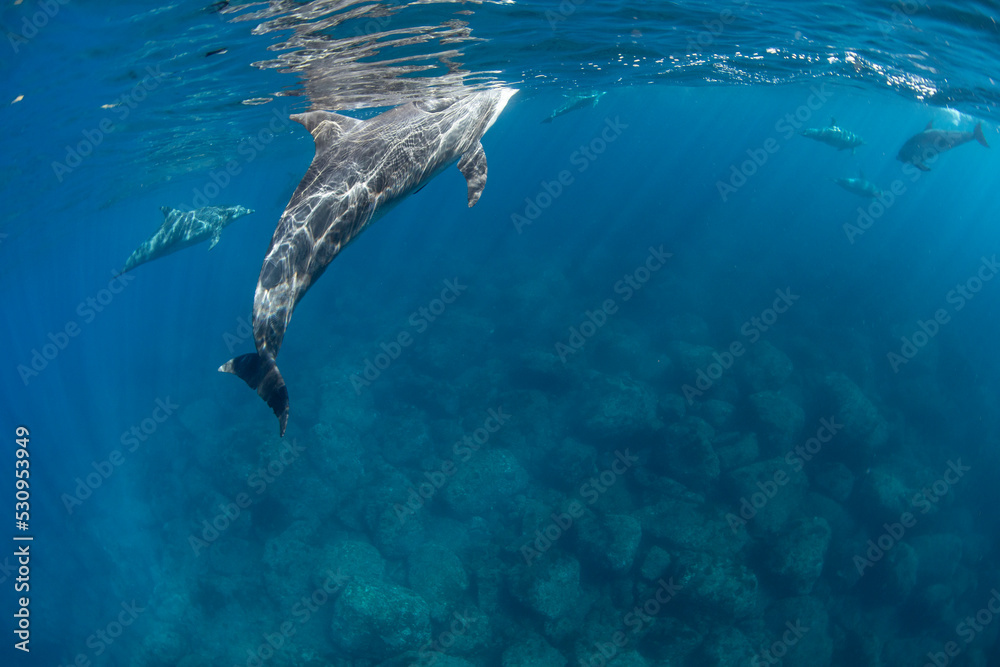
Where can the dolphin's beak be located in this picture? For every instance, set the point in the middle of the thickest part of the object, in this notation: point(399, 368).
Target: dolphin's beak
point(505, 95)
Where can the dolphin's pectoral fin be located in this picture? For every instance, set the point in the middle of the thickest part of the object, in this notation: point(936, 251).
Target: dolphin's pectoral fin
point(325, 127)
point(215, 240)
point(473, 167)
point(921, 166)
point(977, 134)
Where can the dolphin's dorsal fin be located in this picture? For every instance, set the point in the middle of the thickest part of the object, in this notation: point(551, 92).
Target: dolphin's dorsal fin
point(166, 217)
point(326, 127)
point(833, 122)
point(930, 125)
point(473, 167)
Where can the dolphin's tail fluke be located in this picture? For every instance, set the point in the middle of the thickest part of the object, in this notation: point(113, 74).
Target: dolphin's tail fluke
point(978, 135)
point(262, 374)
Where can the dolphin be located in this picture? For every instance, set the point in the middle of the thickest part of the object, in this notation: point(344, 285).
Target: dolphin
point(859, 186)
point(574, 102)
point(835, 136)
point(930, 143)
point(360, 170)
point(181, 230)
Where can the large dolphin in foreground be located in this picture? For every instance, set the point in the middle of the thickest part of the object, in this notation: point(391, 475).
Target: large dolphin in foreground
point(184, 229)
point(928, 144)
point(360, 170)
point(832, 135)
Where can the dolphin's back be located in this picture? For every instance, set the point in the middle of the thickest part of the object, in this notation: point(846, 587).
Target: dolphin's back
point(359, 171)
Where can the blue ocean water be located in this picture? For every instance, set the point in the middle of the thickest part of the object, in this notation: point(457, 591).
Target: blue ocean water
point(666, 395)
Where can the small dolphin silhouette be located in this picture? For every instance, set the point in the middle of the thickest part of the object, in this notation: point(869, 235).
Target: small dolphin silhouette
point(860, 186)
point(834, 136)
point(574, 102)
point(184, 229)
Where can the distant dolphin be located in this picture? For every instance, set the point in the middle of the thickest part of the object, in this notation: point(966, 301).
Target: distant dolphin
point(834, 136)
point(360, 170)
point(930, 143)
point(574, 102)
point(859, 186)
point(181, 230)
